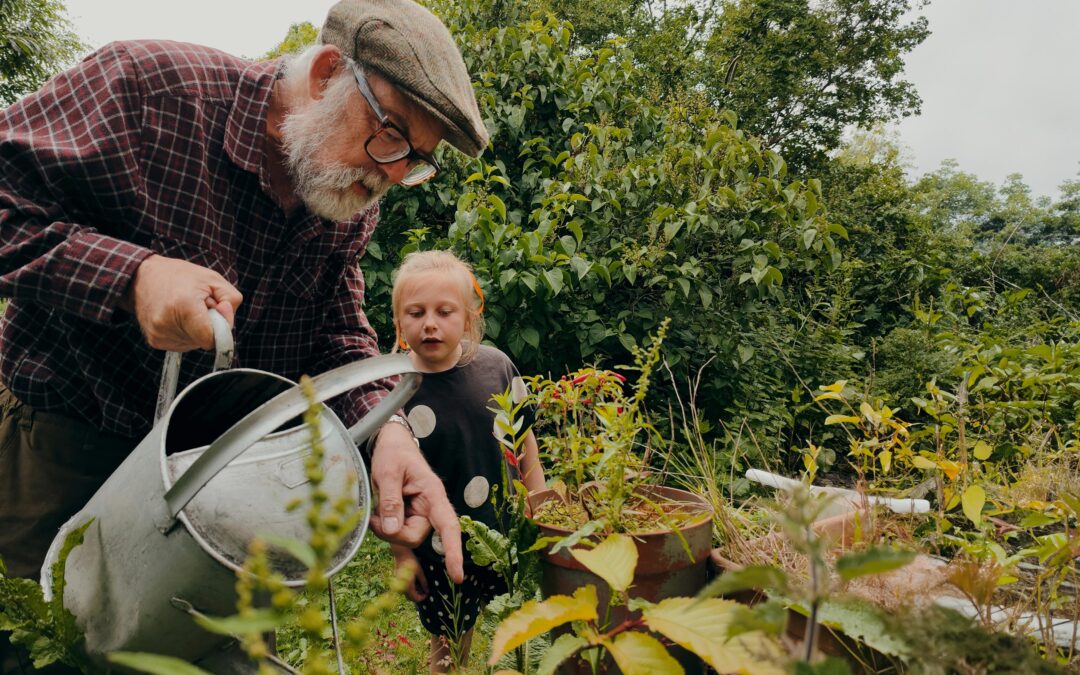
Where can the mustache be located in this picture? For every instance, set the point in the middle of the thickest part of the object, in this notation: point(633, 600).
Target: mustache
point(339, 177)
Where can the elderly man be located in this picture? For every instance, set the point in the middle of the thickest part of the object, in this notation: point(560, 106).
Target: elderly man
point(156, 180)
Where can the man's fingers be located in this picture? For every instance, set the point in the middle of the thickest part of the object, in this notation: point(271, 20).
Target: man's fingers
point(445, 521)
point(391, 506)
point(226, 299)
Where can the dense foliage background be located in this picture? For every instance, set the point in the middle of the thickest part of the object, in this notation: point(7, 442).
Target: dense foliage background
point(630, 178)
point(719, 162)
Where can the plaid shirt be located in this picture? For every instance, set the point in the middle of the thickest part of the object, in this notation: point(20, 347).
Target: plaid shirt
point(157, 147)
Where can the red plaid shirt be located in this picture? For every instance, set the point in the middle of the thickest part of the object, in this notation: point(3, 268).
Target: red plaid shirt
point(157, 147)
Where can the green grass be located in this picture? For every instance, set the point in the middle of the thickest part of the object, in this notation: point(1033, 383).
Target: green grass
point(399, 644)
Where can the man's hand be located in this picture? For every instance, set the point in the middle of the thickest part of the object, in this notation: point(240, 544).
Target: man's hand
point(170, 298)
point(417, 590)
point(401, 473)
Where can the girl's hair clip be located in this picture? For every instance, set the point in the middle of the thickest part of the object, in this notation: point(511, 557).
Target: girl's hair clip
point(479, 292)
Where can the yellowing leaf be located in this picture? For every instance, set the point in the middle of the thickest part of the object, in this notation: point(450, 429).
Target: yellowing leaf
point(869, 413)
point(983, 450)
point(535, 618)
point(842, 419)
point(973, 500)
point(613, 560)
point(921, 462)
point(885, 457)
point(562, 648)
point(702, 627)
point(642, 654)
point(837, 386)
point(829, 396)
point(951, 468)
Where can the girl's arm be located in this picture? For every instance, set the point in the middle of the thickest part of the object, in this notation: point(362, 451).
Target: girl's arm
point(532, 472)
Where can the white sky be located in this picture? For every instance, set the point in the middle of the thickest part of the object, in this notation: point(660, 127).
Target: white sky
point(241, 27)
point(1000, 79)
point(1000, 83)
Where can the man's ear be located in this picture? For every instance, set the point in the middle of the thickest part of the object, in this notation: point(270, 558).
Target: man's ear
point(324, 65)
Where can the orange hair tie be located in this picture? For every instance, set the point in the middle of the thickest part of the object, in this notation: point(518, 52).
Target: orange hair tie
point(479, 292)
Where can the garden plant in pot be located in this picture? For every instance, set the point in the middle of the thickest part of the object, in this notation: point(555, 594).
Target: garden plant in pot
point(597, 438)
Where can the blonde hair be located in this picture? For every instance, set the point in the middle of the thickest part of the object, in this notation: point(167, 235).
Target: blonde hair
point(455, 271)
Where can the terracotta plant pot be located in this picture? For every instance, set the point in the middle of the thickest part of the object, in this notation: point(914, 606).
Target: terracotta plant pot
point(664, 570)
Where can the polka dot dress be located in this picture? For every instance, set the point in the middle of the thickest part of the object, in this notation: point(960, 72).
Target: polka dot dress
point(452, 609)
point(459, 436)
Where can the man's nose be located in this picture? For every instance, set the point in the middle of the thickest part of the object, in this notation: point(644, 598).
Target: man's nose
point(395, 172)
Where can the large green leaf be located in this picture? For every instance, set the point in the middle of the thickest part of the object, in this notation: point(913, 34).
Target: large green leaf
point(752, 577)
point(488, 547)
point(875, 560)
point(572, 539)
point(702, 627)
point(642, 654)
point(535, 618)
point(861, 620)
point(613, 560)
point(258, 621)
point(155, 664)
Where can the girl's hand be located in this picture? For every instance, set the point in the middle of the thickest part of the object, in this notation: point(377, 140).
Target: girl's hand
point(417, 590)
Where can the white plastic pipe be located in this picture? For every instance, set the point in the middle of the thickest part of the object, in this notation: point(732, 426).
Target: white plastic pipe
point(851, 497)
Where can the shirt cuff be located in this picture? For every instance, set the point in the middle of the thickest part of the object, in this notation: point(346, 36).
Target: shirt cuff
point(93, 274)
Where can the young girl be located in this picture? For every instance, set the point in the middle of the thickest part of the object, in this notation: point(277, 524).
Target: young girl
point(438, 308)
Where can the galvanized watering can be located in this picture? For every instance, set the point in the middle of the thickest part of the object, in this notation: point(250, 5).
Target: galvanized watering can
point(173, 523)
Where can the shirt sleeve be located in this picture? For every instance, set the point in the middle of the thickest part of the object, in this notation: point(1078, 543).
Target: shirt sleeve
point(74, 143)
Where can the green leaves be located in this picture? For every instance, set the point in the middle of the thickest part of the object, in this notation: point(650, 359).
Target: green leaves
point(47, 630)
point(155, 664)
point(872, 561)
point(487, 546)
point(752, 577)
point(255, 621)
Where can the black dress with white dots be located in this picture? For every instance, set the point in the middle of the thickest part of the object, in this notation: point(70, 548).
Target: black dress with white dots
point(451, 417)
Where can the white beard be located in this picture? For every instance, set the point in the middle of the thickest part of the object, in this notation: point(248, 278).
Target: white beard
point(326, 188)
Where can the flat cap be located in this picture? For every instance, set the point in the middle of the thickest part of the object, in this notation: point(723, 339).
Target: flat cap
point(413, 50)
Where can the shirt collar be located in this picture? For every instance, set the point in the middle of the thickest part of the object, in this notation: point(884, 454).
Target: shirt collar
point(245, 133)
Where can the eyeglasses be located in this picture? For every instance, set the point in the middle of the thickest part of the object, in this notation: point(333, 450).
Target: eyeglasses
point(389, 143)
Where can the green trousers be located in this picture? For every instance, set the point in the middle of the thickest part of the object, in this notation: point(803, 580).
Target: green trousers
point(50, 466)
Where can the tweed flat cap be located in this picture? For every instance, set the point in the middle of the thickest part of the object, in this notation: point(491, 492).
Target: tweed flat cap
point(413, 50)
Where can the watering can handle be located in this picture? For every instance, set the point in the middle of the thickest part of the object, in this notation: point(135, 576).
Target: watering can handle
point(287, 405)
point(170, 372)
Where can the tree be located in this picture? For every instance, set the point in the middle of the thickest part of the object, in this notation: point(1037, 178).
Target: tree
point(299, 38)
point(796, 72)
point(799, 73)
point(36, 41)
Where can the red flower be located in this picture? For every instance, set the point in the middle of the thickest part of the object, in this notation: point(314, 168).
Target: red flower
point(404, 641)
point(510, 457)
point(618, 377)
point(580, 378)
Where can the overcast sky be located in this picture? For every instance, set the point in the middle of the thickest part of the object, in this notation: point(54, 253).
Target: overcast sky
point(1000, 79)
point(1000, 83)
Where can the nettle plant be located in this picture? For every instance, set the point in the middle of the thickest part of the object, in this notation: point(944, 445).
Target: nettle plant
point(597, 439)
